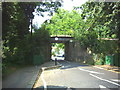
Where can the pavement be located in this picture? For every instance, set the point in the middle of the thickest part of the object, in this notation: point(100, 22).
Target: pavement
point(25, 77)
point(73, 75)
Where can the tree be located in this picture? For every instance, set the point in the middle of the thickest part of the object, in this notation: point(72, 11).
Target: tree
point(65, 23)
point(104, 14)
point(16, 35)
point(71, 23)
point(102, 18)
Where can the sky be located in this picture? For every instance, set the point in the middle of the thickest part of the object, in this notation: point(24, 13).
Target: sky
point(67, 5)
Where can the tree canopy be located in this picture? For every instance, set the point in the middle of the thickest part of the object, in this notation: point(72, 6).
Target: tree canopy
point(19, 46)
point(65, 23)
point(103, 17)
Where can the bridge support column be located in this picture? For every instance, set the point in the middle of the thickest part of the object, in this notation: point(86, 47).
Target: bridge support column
point(69, 51)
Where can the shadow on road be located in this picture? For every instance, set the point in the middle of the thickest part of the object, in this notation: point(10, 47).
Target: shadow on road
point(51, 87)
point(68, 65)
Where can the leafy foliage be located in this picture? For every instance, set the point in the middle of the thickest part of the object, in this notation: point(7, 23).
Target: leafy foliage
point(19, 46)
point(71, 23)
point(103, 14)
point(58, 49)
point(15, 30)
point(103, 19)
point(64, 23)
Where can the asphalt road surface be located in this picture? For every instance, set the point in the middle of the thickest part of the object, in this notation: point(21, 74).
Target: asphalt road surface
point(73, 75)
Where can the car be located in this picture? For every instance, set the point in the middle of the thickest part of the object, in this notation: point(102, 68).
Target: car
point(59, 57)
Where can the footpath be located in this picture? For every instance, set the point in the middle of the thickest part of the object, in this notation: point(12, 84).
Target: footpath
point(26, 77)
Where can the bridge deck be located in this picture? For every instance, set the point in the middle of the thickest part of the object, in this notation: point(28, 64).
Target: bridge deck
point(61, 38)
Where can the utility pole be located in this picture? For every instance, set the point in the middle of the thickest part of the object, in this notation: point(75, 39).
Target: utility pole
point(31, 38)
point(31, 26)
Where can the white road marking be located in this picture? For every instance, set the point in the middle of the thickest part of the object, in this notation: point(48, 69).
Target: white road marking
point(101, 86)
point(104, 79)
point(90, 71)
point(98, 67)
point(116, 80)
point(45, 85)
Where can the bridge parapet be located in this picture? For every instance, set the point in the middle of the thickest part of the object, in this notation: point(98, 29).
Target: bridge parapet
point(61, 39)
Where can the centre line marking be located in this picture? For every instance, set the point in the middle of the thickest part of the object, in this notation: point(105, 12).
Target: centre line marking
point(45, 85)
point(90, 71)
point(104, 79)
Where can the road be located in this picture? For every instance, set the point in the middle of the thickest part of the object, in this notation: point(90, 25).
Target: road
point(73, 75)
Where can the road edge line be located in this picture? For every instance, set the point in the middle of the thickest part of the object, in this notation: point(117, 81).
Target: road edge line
point(45, 85)
point(39, 73)
point(101, 86)
point(104, 79)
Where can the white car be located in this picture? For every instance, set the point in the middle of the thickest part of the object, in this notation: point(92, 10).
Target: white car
point(58, 57)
